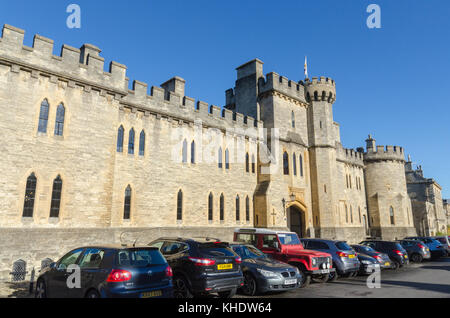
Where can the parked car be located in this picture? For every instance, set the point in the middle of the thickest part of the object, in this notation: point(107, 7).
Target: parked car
point(382, 258)
point(286, 247)
point(417, 250)
point(108, 272)
point(445, 241)
point(436, 248)
point(368, 264)
point(344, 257)
point(262, 273)
point(201, 266)
point(394, 250)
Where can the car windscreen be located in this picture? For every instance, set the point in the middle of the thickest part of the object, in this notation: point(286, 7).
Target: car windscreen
point(366, 248)
point(289, 239)
point(216, 249)
point(140, 257)
point(246, 252)
point(396, 245)
point(343, 246)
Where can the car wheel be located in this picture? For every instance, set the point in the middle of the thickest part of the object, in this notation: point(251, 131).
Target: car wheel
point(250, 286)
point(396, 266)
point(416, 258)
point(41, 289)
point(305, 279)
point(92, 294)
point(228, 294)
point(333, 276)
point(321, 278)
point(181, 288)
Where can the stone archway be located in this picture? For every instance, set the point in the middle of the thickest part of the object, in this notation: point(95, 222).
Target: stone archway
point(297, 219)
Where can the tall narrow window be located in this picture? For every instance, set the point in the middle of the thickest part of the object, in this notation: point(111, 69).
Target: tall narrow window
point(180, 206)
point(30, 194)
point(247, 162)
point(227, 159)
point(346, 214)
point(293, 119)
point(120, 139)
point(59, 123)
point(301, 165)
point(391, 213)
point(294, 163)
point(210, 207)
point(43, 116)
point(127, 204)
point(222, 207)
point(351, 214)
point(184, 154)
point(253, 164)
point(142, 143)
point(56, 197)
point(238, 208)
point(193, 152)
point(286, 163)
point(220, 158)
point(247, 209)
point(131, 142)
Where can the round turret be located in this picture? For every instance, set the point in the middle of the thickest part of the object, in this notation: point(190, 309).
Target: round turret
point(322, 89)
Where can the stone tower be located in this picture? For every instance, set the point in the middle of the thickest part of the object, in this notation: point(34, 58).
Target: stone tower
point(390, 212)
point(321, 95)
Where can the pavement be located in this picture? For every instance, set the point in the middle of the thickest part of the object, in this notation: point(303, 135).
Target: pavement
point(430, 279)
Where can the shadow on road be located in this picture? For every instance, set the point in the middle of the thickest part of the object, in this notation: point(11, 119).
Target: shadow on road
point(440, 288)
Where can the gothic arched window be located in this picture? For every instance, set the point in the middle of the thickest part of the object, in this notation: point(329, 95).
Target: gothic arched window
point(238, 208)
point(56, 197)
point(227, 159)
point(180, 206)
point(222, 207)
point(142, 143)
point(220, 158)
point(43, 116)
point(184, 151)
point(30, 194)
point(127, 204)
point(247, 162)
point(120, 139)
point(391, 214)
point(301, 165)
point(131, 142)
point(210, 207)
point(247, 209)
point(253, 164)
point(59, 123)
point(294, 163)
point(193, 152)
point(286, 163)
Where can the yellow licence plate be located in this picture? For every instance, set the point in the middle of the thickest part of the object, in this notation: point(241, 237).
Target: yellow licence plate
point(387, 264)
point(151, 294)
point(224, 266)
point(406, 256)
point(351, 256)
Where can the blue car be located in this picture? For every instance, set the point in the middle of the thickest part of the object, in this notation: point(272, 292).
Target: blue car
point(107, 272)
point(436, 248)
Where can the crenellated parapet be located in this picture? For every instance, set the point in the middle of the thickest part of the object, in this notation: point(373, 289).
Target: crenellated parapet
point(385, 153)
point(85, 67)
point(349, 156)
point(320, 89)
point(82, 65)
point(283, 86)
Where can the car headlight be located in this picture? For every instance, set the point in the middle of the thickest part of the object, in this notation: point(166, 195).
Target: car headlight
point(314, 262)
point(297, 271)
point(367, 262)
point(267, 274)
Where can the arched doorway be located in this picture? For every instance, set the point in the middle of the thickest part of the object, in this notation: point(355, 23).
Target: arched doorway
point(296, 221)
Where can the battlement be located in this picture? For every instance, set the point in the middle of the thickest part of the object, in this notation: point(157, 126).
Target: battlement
point(349, 156)
point(320, 89)
point(84, 66)
point(73, 64)
point(385, 153)
point(281, 84)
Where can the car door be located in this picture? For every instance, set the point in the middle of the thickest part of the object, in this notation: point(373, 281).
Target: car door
point(58, 276)
point(271, 246)
point(90, 271)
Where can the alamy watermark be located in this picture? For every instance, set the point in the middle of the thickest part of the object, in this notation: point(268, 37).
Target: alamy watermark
point(74, 19)
point(374, 19)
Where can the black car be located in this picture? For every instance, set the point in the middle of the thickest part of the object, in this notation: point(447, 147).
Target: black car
point(368, 264)
point(107, 272)
point(264, 274)
point(394, 250)
point(382, 258)
point(417, 250)
point(202, 266)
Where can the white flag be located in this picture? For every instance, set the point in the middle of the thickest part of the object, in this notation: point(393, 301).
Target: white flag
point(306, 67)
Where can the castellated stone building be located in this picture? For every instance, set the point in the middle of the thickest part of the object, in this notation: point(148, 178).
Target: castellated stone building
point(87, 160)
point(429, 209)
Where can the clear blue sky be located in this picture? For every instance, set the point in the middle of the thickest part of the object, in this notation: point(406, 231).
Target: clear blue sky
point(392, 82)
